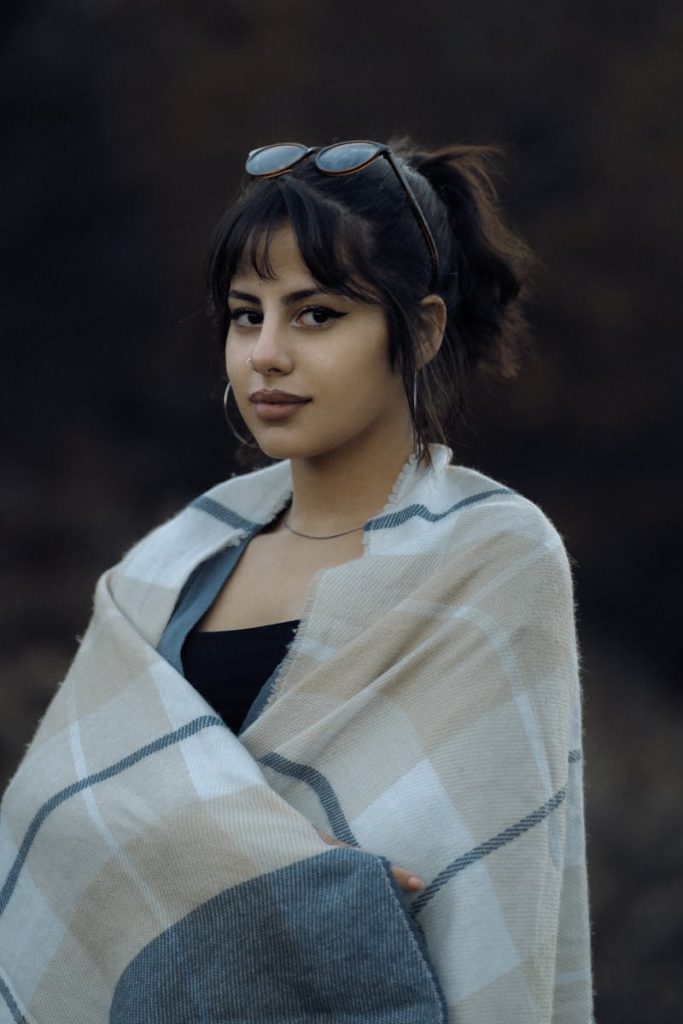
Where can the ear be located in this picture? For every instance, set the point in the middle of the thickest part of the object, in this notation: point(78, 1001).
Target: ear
point(433, 326)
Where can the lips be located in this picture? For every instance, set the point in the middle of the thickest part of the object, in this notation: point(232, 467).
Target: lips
point(274, 406)
point(274, 397)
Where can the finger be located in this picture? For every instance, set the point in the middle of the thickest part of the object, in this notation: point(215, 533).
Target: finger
point(406, 880)
point(331, 839)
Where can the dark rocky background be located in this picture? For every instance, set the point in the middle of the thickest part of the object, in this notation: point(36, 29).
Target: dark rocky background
point(125, 126)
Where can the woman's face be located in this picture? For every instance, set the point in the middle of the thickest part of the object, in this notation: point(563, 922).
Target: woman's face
point(310, 369)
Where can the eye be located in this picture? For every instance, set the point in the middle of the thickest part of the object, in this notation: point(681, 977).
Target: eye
point(318, 316)
point(245, 317)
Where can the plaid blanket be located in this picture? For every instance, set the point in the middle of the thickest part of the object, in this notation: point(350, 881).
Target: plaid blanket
point(156, 868)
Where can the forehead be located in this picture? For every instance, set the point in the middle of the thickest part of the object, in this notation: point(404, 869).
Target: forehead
point(272, 255)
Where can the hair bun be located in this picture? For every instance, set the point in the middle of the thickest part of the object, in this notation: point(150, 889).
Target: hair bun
point(491, 262)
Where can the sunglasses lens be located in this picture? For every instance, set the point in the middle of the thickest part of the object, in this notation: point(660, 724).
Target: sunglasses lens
point(274, 159)
point(347, 156)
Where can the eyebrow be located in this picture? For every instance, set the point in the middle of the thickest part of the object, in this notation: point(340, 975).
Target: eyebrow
point(286, 300)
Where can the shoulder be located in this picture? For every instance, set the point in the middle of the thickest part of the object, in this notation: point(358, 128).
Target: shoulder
point(448, 504)
point(499, 526)
point(220, 516)
point(509, 568)
point(501, 507)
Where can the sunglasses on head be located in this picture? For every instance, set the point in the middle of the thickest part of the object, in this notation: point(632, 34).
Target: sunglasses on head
point(338, 159)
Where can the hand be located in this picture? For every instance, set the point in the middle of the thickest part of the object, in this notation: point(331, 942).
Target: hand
point(406, 880)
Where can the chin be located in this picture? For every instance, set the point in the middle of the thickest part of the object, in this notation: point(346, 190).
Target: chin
point(282, 447)
point(291, 451)
point(278, 447)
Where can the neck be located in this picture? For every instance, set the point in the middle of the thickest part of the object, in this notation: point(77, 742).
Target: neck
point(341, 490)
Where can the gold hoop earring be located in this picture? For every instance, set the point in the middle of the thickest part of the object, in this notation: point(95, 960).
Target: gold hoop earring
point(242, 440)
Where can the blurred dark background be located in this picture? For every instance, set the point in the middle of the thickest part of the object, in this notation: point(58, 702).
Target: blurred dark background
point(125, 128)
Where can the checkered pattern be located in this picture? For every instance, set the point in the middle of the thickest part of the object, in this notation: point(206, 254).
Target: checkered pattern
point(428, 712)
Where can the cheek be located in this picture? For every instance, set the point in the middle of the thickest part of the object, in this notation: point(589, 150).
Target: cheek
point(362, 393)
point(369, 373)
point(234, 363)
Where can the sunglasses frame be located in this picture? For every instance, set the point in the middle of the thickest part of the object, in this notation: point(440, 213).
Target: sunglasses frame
point(380, 150)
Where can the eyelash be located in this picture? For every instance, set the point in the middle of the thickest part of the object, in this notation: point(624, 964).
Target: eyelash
point(331, 314)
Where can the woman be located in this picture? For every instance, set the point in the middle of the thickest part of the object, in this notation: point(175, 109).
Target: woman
point(397, 834)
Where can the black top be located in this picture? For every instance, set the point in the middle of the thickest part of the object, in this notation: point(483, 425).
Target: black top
point(229, 667)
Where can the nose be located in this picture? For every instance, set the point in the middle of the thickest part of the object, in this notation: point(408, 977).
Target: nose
point(271, 352)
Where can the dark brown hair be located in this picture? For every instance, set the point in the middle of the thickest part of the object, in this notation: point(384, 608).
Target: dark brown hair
point(357, 234)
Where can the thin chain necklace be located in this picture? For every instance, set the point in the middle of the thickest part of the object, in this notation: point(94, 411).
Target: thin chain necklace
point(328, 536)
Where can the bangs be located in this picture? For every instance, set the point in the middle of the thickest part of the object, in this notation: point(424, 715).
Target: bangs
point(335, 245)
